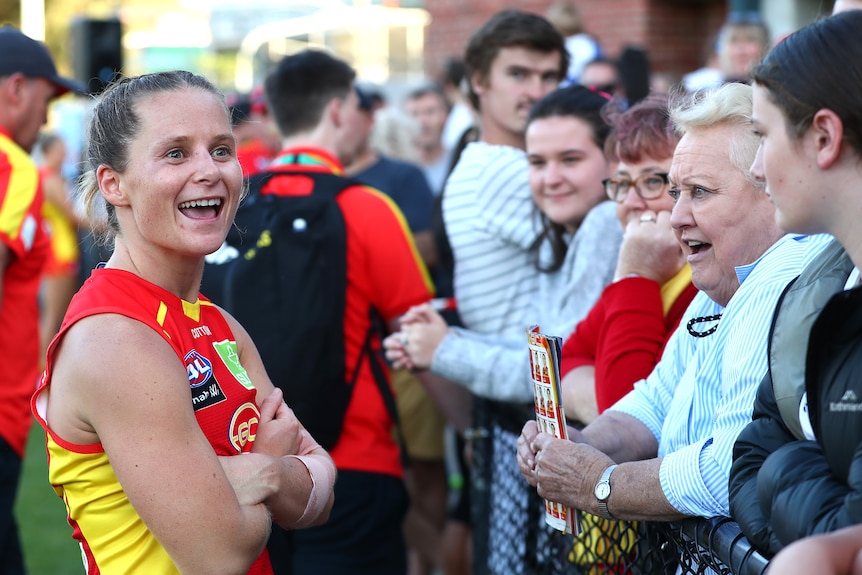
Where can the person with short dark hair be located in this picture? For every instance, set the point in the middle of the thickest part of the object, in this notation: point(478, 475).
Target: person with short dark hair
point(28, 83)
point(428, 106)
point(513, 60)
point(461, 116)
point(313, 98)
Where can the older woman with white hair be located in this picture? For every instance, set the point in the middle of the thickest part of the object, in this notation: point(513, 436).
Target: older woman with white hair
point(663, 452)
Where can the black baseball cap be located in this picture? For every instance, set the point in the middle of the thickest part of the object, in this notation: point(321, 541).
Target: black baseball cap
point(366, 103)
point(21, 54)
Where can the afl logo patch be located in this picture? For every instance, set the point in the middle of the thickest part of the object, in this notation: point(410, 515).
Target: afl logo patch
point(243, 426)
point(199, 368)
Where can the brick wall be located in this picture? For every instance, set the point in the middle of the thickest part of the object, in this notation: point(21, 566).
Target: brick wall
point(674, 32)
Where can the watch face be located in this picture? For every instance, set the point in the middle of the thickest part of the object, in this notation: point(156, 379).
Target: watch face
point(603, 490)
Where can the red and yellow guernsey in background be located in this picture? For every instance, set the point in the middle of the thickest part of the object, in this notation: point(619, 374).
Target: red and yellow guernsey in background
point(23, 233)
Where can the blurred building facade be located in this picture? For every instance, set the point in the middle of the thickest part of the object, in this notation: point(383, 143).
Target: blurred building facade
point(387, 41)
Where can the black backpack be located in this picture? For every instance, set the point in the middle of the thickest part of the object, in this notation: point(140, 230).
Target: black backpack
point(283, 276)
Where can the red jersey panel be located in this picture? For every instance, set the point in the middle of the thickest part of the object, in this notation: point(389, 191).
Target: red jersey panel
point(23, 233)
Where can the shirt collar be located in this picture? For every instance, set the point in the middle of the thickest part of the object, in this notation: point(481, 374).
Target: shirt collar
point(742, 272)
point(306, 156)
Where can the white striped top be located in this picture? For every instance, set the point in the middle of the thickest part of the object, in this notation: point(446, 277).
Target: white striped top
point(701, 394)
point(491, 223)
point(498, 367)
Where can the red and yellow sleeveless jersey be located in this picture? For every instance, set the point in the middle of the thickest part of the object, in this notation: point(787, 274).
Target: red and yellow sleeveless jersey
point(23, 234)
point(112, 536)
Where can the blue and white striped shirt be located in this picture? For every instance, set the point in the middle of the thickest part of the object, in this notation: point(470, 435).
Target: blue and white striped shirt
point(701, 394)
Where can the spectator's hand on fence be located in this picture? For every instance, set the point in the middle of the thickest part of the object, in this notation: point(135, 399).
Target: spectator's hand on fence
point(567, 472)
point(279, 432)
point(650, 249)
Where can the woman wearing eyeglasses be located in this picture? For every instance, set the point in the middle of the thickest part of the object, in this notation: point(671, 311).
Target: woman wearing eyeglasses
point(622, 338)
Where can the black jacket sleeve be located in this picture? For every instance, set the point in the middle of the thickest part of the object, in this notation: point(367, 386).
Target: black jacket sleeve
point(765, 434)
point(802, 495)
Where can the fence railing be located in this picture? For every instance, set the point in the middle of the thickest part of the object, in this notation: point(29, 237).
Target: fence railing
point(716, 544)
point(510, 536)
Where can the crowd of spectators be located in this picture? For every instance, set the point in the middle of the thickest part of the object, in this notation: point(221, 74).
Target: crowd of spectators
point(694, 243)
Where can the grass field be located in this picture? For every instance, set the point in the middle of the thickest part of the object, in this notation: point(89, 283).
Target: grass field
point(47, 538)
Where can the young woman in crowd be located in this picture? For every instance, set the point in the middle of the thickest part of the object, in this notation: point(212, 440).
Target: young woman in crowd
point(151, 392)
point(622, 338)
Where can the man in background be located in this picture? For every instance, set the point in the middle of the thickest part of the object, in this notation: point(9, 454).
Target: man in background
point(513, 60)
point(428, 106)
point(314, 102)
point(28, 82)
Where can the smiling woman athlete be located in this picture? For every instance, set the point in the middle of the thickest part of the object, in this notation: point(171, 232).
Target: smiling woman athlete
point(150, 391)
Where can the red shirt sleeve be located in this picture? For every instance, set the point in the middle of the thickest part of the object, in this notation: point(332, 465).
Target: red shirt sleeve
point(395, 275)
point(623, 336)
point(580, 347)
point(634, 335)
point(631, 339)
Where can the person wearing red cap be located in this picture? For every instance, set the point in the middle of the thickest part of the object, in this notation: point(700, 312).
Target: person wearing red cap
point(28, 82)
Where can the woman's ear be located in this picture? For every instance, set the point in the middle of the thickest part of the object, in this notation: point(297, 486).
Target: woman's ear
point(827, 130)
point(109, 186)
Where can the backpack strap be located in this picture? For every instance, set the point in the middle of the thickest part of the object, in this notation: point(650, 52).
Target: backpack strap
point(383, 384)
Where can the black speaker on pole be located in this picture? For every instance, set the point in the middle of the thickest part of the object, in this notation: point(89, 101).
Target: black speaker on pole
point(97, 48)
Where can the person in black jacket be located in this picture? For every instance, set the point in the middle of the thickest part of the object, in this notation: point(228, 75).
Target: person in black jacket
point(798, 465)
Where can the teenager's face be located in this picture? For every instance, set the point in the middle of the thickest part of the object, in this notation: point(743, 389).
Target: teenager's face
point(566, 169)
point(517, 79)
point(785, 164)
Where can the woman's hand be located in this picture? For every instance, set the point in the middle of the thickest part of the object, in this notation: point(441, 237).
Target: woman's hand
point(413, 347)
point(650, 249)
point(279, 432)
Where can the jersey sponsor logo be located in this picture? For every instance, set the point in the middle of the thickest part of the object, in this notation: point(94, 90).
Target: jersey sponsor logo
point(199, 368)
point(229, 355)
point(208, 395)
point(243, 426)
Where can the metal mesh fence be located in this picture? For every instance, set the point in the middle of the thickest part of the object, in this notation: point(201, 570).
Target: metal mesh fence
point(510, 536)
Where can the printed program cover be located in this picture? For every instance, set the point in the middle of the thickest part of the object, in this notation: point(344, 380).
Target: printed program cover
point(547, 393)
